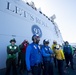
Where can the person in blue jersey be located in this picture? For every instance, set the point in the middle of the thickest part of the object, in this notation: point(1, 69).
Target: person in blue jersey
point(48, 55)
point(33, 57)
point(68, 52)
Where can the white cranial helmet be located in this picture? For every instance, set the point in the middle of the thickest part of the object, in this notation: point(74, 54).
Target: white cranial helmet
point(57, 46)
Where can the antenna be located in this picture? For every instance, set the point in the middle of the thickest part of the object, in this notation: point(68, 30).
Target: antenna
point(53, 17)
point(39, 9)
point(24, 0)
point(32, 4)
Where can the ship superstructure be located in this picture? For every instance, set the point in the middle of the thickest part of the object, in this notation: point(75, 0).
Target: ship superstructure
point(21, 20)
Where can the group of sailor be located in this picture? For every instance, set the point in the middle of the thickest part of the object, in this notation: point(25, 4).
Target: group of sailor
point(38, 59)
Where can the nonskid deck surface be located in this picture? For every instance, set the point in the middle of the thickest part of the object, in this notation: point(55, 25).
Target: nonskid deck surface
point(68, 71)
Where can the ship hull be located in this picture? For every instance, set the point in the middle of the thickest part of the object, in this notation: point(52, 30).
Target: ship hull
point(20, 21)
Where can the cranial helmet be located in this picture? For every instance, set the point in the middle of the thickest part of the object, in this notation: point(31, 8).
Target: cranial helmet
point(36, 36)
point(66, 42)
point(25, 41)
point(13, 40)
point(57, 46)
point(54, 42)
point(45, 41)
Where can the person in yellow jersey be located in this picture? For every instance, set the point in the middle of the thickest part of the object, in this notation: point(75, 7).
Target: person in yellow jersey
point(54, 48)
point(60, 59)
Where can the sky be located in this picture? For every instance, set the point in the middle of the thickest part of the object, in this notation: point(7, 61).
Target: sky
point(65, 11)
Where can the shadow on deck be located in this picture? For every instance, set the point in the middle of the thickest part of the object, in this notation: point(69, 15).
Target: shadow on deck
point(69, 71)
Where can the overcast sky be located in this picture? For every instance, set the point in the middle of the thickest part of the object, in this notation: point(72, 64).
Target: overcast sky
point(65, 11)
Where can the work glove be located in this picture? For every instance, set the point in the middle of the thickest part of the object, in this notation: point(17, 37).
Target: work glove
point(52, 55)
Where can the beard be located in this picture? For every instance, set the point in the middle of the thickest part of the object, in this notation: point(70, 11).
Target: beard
point(37, 42)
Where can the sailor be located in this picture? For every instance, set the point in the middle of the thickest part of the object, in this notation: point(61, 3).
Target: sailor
point(54, 48)
point(48, 55)
point(67, 48)
point(60, 59)
point(12, 49)
point(21, 55)
point(34, 57)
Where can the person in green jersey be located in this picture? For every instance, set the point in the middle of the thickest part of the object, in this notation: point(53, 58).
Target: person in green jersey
point(12, 49)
